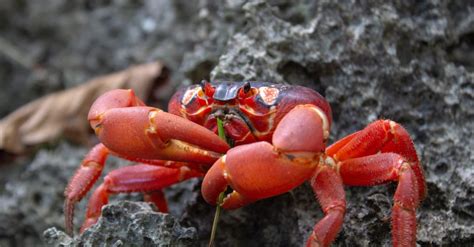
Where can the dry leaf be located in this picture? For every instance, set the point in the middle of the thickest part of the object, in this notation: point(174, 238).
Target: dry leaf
point(64, 113)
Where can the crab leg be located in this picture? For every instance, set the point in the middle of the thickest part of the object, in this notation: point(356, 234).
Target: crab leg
point(82, 181)
point(157, 197)
point(384, 136)
point(137, 178)
point(90, 170)
point(327, 185)
point(380, 153)
point(378, 169)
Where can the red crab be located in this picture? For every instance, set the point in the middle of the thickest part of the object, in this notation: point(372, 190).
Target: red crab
point(279, 133)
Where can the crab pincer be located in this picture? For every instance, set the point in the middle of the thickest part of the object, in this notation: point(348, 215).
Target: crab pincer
point(129, 129)
point(132, 130)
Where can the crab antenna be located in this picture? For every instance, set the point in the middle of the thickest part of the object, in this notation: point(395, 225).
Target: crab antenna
point(220, 130)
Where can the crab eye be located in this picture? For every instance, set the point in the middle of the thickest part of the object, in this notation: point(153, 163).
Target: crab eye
point(247, 91)
point(206, 88)
point(202, 84)
point(247, 87)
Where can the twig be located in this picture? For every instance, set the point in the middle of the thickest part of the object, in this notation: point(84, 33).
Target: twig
point(220, 130)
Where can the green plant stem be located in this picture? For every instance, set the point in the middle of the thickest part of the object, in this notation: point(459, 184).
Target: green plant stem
point(216, 219)
point(220, 130)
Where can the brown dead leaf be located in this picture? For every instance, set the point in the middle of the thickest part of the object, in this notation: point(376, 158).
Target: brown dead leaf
point(64, 113)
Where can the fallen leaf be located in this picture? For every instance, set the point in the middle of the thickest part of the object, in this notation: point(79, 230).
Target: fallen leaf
point(64, 113)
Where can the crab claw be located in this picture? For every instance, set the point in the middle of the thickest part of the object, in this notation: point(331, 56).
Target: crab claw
point(260, 170)
point(255, 171)
point(137, 132)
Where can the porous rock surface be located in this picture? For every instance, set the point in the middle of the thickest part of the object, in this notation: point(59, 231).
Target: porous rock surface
point(130, 224)
point(409, 62)
point(398, 61)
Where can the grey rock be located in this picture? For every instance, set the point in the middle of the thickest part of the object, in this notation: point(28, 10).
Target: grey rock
point(54, 237)
point(32, 198)
point(128, 224)
point(67, 43)
point(377, 60)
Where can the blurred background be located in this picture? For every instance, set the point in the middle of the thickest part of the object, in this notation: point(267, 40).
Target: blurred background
point(410, 62)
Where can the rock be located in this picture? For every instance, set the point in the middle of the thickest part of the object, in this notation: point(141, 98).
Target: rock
point(128, 224)
point(380, 60)
point(55, 237)
point(32, 198)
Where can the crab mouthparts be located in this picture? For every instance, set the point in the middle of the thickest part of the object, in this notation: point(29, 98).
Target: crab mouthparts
point(236, 126)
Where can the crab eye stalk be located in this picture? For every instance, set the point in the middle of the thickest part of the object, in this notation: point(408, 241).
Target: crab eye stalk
point(206, 88)
point(247, 87)
point(202, 84)
point(246, 91)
